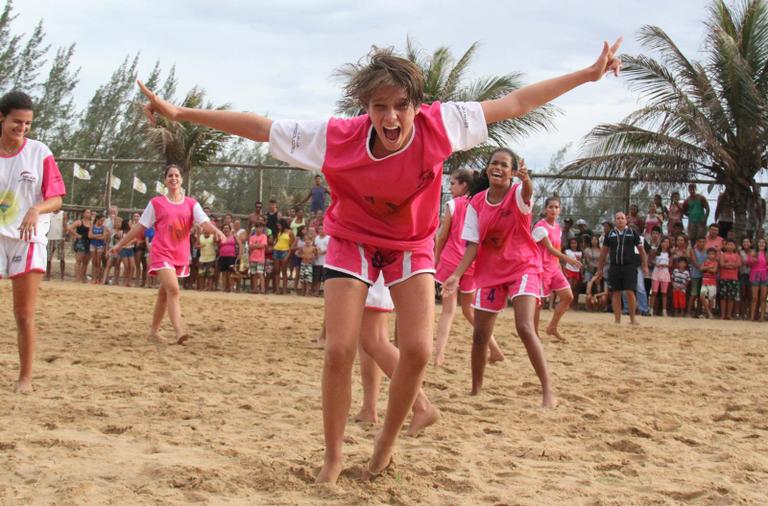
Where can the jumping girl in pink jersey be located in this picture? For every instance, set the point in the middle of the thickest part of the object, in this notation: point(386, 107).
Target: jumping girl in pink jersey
point(547, 235)
point(449, 249)
point(384, 170)
point(173, 216)
point(30, 189)
point(507, 263)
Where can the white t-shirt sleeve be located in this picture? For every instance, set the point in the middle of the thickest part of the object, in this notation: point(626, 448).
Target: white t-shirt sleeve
point(199, 215)
point(465, 124)
point(539, 233)
point(471, 230)
point(524, 208)
point(148, 216)
point(450, 206)
point(299, 143)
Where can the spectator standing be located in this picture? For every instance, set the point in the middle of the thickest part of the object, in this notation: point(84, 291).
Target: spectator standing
point(257, 245)
point(681, 276)
point(621, 248)
point(724, 215)
point(696, 208)
point(56, 242)
point(317, 193)
point(321, 243)
point(80, 230)
point(675, 214)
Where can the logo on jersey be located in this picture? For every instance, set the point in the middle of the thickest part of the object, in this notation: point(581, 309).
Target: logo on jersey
point(16, 259)
point(9, 209)
point(27, 177)
point(178, 231)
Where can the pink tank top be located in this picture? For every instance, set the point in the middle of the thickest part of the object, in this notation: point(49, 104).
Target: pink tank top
point(454, 247)
point(227, 247)
point(550, 263)
point(392, 202)
point(760, 264)
point(173, 223)
point(507, 250)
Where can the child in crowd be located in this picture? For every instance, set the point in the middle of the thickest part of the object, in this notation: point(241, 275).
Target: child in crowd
point(709, 270)
point(126, 255)
point(596, 294)
point(269, 266)
point(697, 256)
point(681, 276)
point(758, 278)
point(660, 277)
point(744, 284)
point(308, 253)
point(730, 261)
point(573, 269)
point(321, 243)
point(206, 243)
point(98, 235)
point(257, 245)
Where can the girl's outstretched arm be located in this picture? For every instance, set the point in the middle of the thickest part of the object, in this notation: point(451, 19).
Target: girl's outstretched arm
point(452, 283)
point(522, 101)
point(242, 124)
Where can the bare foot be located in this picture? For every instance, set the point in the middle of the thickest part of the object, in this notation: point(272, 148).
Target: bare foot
point(366, 417)
point(422, 420)
point(634, 322)
point(183, 339)
point(495, 356)
point(439, 360)
point(380, 461)
point(552, 331)
point(24, 386)
point(549, 400)
point(330, 472)
point(474, 391)
point(156, 339)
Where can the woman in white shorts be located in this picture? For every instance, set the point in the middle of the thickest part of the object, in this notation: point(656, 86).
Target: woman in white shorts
point(31, 188)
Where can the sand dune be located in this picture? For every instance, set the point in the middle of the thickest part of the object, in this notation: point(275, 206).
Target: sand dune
point(675, 411)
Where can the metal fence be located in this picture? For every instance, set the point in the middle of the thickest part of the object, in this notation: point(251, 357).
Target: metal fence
point(592, 206)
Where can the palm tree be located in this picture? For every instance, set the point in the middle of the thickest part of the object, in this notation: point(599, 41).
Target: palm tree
point(186, 144)
point(444, 78)
point(702, 118)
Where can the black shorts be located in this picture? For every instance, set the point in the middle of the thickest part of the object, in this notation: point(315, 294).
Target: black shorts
point(317, 274)
point(333, 273)
point(225, 263)
point(622, 277)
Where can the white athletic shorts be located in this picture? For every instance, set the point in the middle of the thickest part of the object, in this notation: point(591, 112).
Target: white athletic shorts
point(18, 257)
point(379, 298)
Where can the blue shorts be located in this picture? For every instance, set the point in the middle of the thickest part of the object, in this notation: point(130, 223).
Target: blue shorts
point(279, 255)
point(126, 253)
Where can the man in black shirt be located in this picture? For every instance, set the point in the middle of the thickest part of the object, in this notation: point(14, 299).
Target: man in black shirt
point(623, 248)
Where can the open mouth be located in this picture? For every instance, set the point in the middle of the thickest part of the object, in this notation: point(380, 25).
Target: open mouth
point(495, 173)
point(392, 134)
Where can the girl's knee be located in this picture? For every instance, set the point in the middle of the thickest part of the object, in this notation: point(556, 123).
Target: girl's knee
point(415, 356)
point(525, 330)
point(339, 356)
point(481, 337)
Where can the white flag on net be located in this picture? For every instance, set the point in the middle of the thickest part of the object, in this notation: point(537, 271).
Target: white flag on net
point(115, 182)
point(160, 188)
point(81, 173)
point(139, 185)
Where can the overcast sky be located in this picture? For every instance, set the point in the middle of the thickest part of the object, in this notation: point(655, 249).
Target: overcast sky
point(276, 57)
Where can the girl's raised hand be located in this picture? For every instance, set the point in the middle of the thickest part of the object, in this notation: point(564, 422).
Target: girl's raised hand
point(157, 105)
point(607, 61)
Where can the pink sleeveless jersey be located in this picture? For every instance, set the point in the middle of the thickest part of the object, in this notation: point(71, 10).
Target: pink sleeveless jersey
point(550, 263)
point(454, 247)
point(507, 250)
point(391, 202)
point(173, 223)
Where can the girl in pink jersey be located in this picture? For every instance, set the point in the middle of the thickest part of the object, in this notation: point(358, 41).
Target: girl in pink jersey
point(173, 216)
point(449, 249)
point(384, 170)
point(30, 189)
point(547, 235)
point(507, 264)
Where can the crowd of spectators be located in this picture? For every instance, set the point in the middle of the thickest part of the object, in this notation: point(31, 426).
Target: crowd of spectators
point(267, 251)
point(694, 270)
point(699, 270)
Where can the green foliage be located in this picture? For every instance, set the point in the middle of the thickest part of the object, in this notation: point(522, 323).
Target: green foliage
point(445, 80)
point(701, 118)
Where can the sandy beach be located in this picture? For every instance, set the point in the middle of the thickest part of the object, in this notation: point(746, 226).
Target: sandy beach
point(675, 411)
